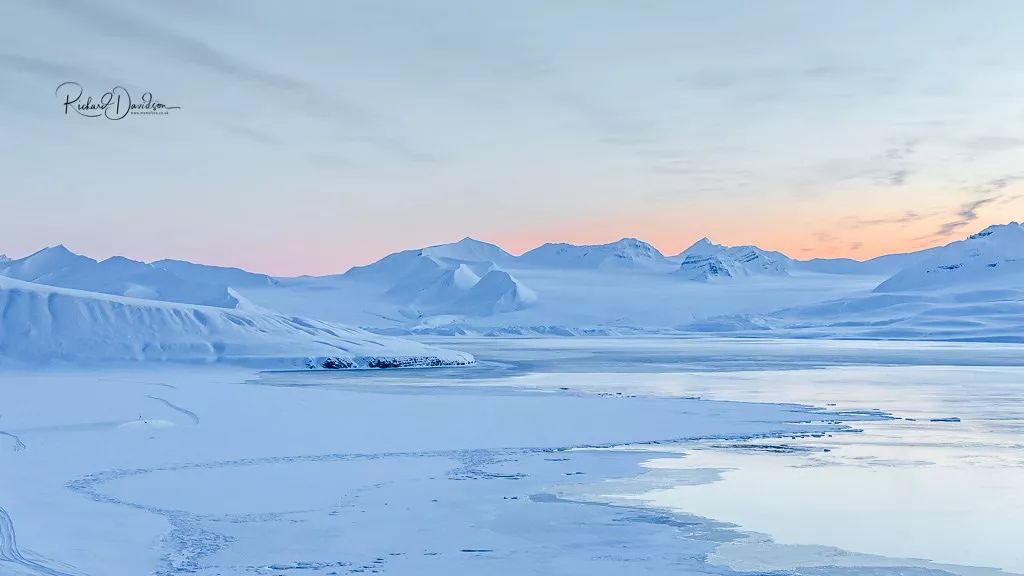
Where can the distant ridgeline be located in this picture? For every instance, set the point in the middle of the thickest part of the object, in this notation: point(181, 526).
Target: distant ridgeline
point(969, 289)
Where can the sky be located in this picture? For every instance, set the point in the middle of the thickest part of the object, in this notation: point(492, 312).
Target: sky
point(316, 135)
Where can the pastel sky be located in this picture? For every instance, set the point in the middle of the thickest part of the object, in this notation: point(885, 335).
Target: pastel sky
point(314, 135)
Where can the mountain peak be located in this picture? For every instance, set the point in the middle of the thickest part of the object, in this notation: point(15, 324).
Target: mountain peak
point(634, 243)
point(705, 260)
point(631, 242)
point(468, 249)
point(121, 260)
point(1010, 227)
point(54, 255)
point(55, 250)
point(623, 253)
point(702, 246)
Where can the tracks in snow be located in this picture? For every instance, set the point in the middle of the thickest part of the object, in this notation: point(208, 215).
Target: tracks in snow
point(18, 444)
point(9, 549)
point(191, 415)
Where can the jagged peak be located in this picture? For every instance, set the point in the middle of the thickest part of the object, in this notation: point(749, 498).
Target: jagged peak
point(702, 246)
point(121, 260)
point(634, 244)
point(1012, 226)
point(58, 253)
point(465, 241)
point(630, 241)
point(56, 249)
point(470, 241)
point(466, 249)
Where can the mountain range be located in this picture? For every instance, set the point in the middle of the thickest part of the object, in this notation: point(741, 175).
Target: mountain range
point(969, 289)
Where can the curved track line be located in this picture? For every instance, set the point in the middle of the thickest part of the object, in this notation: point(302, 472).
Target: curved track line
point(18, 444)
point(9, 549)
point(192, 415)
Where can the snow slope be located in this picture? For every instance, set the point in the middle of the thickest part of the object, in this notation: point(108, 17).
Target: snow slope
point(58, 266)
point(469, 250)
point(992, 258)
point(213, 274)
point(496, 292)
point(41, 324)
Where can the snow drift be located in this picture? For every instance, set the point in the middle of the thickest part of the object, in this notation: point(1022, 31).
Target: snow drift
point(42, 324)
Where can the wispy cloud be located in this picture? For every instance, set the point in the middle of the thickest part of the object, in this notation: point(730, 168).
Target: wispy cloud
point(989, 192)
point(967, 213)
point(119, 23)
point(904, 218)
point(824, 237)
point(354, 122)
point(994, 143)
point(250, 134)
point(898, 177)
point(37, 66)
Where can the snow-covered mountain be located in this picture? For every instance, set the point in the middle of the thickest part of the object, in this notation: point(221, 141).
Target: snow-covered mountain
point(972, 289)
point(4, 259)
point(42, 324)
point(992, 258)
point(625, 254)
point(469, 250)
point(51, 262)
point(473, 287)
point(705, 261)
point(464, 278)
point(58, 266)
point(401, 263)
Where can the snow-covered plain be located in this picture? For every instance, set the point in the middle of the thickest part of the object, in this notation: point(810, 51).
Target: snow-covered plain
point(549, 456)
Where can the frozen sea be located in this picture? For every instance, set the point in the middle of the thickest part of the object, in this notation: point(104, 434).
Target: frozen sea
point(551, 456)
